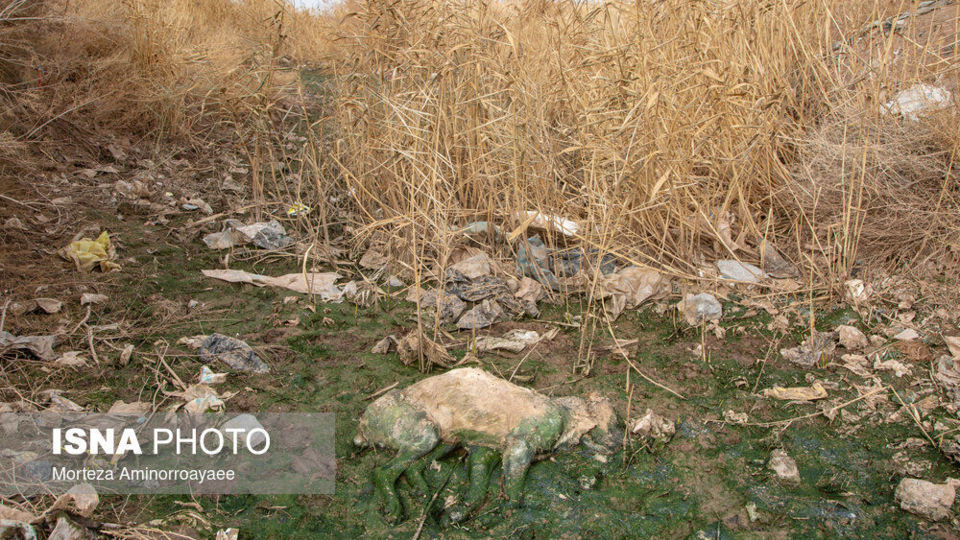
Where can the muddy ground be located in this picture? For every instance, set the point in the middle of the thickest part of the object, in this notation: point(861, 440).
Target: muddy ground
point(704, 479)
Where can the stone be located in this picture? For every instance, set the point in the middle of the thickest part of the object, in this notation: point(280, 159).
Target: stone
point(783, 466)
point(926, 499)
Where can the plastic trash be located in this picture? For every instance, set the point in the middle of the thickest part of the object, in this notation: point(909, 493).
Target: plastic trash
point(740, 271)
point(698, 308)
point(87, 254)
point(233, 352)
point(481, 316)
point(39, 346)
point(913, 102)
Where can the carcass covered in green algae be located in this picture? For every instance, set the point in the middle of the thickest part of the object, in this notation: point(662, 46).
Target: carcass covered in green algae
point(490, 417)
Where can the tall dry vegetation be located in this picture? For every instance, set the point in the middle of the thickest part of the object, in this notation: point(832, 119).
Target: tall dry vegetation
point(157, 68)
point(674, 129)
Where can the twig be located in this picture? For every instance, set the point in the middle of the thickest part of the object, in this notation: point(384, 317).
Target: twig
point(81, 323)
point(382, 391)
point(93, 352)
point(789, 421)
point(913, 416)
point(3, 316)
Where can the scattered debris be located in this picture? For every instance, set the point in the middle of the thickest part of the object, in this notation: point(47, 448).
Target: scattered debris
point(137, 407)
point(481, 316)
point(913, 102)
point(654, 426)
point(815, 349)
point(71, 359)
point(48, 305)
point(907, 335)
point(230, 534)
point(14, 223)
point(528, 293)
point(200, 398)
point(548, 222)
point(207, 376)
point(125, 354)
point(65, 529)
point(87, 254)
point(384, 345)
point(81, 499)
point(796, 393)
point(514, 341)
point(851, 338)
point(60, 404)
point(630, 287)
point(899, 370)
point(473, 267)
point(373, 259)
point(319, 283)
point(39, 346)
point(739, 271)
point(926, 499)
point(700, 308)
point(783, 466)
point(448, 306)
point(298, 209)
point(196, 203)
point(233, 352)
point(264, 235)
point(858, 364)
point(774, 264)
point(533, 262)
point(953, 345)
point(246, 423)
point(733, 417)
point(92, 298)
point(415, 343)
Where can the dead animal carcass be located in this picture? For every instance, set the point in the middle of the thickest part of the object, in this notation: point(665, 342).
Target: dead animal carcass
point(488, 416)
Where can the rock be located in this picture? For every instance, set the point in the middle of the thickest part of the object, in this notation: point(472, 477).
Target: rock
point(245, 423)
point(739, 271)
point(852, 338)
point(783, 466)
point(233, 352)
point(926, 499)
point(697, 308)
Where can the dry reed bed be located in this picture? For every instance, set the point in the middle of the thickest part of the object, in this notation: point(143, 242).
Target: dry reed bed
point(656, 124)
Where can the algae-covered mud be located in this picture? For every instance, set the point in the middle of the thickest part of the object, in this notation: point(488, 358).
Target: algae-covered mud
point(713, 478)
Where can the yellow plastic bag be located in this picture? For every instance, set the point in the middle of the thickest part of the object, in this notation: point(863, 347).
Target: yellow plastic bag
point(87, 253)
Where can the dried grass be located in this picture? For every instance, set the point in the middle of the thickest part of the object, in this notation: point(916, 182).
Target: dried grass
point(657, 124)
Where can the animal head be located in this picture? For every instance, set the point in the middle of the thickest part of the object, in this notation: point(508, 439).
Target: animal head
point(593, 422)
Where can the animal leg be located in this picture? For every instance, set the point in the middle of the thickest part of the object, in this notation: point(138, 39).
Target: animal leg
point(385, 477)
point(481, 463)
point(414, 472)
point(516, 461)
